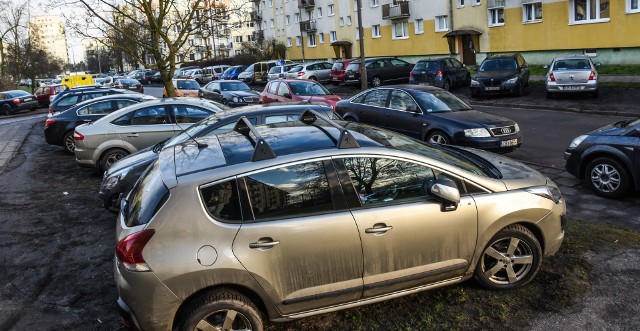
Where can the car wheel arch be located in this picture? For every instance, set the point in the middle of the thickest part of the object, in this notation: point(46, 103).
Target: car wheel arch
point(597, 151)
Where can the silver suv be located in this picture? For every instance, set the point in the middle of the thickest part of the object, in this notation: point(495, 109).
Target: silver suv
point(300, 218)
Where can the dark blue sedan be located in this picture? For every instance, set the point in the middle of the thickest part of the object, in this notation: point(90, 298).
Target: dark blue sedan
point(233, 93)
point(16, 100)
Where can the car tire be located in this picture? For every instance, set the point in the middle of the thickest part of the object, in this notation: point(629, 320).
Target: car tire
point(212, 309)
point(6, 110)
point(224, 102)
point(607, 177)
point(110, 157)
point(446, 85)
point(313, 78)
point(376, 81)
point(520, 90)
point(438, 137)
point(467, 80)
point(511, 259)
point(68, 143)
point(350, 119)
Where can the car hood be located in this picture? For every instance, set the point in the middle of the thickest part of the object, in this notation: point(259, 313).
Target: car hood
point(240, 94)
point(473, 117)
point(145, 156)
point(515, 175)
point(609, 130)
point(497, 74)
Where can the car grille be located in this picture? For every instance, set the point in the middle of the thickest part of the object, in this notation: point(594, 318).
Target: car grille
point(503, 131)
point(492, 82)
point(251, 99)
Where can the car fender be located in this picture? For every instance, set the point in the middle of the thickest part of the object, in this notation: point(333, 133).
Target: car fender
point(603, 150)
point(110, 144)
point(351, 114)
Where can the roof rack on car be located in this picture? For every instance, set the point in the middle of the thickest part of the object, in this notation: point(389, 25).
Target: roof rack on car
point(262, 150)
point(346, 140)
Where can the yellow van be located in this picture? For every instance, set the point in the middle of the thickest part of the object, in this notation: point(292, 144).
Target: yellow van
point(78, 80)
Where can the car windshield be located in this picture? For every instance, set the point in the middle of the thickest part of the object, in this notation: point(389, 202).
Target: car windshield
point(571, 64)
point(308, 88)
point(338, 66)
point(427, 65)
point(228, 71)
point(439, 101)
point(498, 64)
point(188, 85)
point(234, 86)
point(275, 70)
point(129, 81)
point(192, 131)
point(353, 66)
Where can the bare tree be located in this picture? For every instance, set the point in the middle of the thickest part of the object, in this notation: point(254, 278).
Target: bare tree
point(11, 20)
point(265, 49)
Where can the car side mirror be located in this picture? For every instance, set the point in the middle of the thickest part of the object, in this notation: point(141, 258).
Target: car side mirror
point(445, 190)
point(412, 109)
point(598, 64)
point(287, 95)
point(524, 66)
point(216, 91)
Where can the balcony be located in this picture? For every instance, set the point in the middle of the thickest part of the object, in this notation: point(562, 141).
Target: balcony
point(306, 3)
point(255, 16)
point(258, 35)
point(496, 3)
point(396, 11)
point(308, 26)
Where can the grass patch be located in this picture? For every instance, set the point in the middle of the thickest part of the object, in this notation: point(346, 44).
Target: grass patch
point(563, 280)
point(538, 70)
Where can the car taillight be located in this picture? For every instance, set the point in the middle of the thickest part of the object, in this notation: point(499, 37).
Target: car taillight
point(48, 123)
point(592, 76)
point(77, 136)
point(411, 74)
point(129, 250)
point(189, 77)
point(301, 73)
point(439, 74)
point(16, 100)
point(51, 111)
point(552, 78)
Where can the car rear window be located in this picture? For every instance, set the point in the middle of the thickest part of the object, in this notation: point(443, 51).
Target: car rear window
point(338, 66)
point(146, 198)
point(427, 65)
point(296, 69)
point(275, 70)
point(188, 85)
point(572, 64)
point(353, 67)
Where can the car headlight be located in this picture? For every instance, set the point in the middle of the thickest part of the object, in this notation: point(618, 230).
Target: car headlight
point(517, 127)
point(479, 132)
point(475, 82)
point(512, 80)
point(110, 181)
point(577, 141)
point(549, 192)
point(236, 99)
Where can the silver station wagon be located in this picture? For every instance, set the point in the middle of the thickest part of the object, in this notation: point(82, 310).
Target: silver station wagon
point(294, 219)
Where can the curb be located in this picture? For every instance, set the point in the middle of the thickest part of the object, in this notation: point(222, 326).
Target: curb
point(562, 109)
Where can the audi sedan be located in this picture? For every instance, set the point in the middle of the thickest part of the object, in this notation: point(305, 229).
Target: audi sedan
point(432, 115)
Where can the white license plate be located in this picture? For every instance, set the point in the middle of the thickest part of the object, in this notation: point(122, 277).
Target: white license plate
point(492, 88)
point(572, 88)
point(27, 99)
point(508, 143)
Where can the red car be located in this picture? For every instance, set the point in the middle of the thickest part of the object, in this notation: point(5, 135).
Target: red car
point(46, 93)
point(288, 90)
point(338, 71)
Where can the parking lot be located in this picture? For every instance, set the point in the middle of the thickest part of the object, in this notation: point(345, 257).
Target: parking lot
point(58, 241)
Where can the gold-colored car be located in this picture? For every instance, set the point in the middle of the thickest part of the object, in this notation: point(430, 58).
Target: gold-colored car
point(300, 218)
point(184, 88)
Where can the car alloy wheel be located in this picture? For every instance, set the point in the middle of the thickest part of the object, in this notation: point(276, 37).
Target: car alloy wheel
point(607, 177)
point(69, 143)
point(376, 81)
point(112, 157)
point(220, 309)
point(511, 259)
point(438, 137)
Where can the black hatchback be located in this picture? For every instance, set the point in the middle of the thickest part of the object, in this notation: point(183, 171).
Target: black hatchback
point(433, 115)
point(607, 158)
point(58, 129)
point(443, 72)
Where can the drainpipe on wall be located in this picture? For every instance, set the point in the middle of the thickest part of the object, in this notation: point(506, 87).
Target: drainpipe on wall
point(450, 22)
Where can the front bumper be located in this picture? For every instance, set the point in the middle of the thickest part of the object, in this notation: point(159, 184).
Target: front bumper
point(496, 88)
point(553, 228)
point(572, 162)
point(492, 144)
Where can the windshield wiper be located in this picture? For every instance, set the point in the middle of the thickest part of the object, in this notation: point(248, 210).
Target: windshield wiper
point(623, 123)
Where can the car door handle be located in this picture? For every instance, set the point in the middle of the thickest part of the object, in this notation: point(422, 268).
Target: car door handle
point(379, 229)
point(266, 243)
point(133, 135)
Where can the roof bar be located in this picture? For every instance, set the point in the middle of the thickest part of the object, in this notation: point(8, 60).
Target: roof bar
point(262, 150)
point(346, 140)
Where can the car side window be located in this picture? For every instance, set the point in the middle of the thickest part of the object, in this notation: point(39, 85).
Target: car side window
point(456, 63)
point(328, 65)
point(97, 108)
point(398, 63)
point(359, 98)
point(377, 98)
point(38, 90)
point(401, 100)
point(273, 88)
point(282, 89)
point(2, 97)
point(448, 64)
point(382, 181)
point(289, 191)
point(124, 103)
point(222, 201)
point(281, 118)
point(189, 114)
point(149, 116)
point(230, 126)
point(89, 96)
point(215, 86)
point(68, 100)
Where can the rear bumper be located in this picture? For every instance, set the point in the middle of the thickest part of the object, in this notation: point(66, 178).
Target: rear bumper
point(126, 314)
point(590, 86)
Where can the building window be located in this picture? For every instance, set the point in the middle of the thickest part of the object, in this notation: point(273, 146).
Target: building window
point(357, 34)
point(270, 3)
point(348, 20)
point(309, 15)
point(441, 23)
point(296, 18)
point(321, 37)
point(312, 40)
point(319, 12)
point(496, 16)
point(419, 25)
point(287, 19)
point(460, 3)
point(589, 11)
point(333, 36)
point(271, 23)
point(633, 6)
point(375, 31)
point(532, 12)
point(341, 21)
point(289, 42)
point(331, 13)
point(401, 30)
point(374, 3)
point(298, 41)
point(476, 3)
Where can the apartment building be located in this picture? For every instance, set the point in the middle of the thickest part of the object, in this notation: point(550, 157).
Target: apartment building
point(467, 29)
point(51, 34)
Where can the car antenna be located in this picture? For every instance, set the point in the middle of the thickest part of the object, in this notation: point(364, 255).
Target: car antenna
point(200, 145)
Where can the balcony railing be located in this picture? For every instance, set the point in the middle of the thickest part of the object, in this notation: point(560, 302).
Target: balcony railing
point(255, 16)
point(308, 26)
point(397, 11)
point(496, 3)
point(306, 3)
